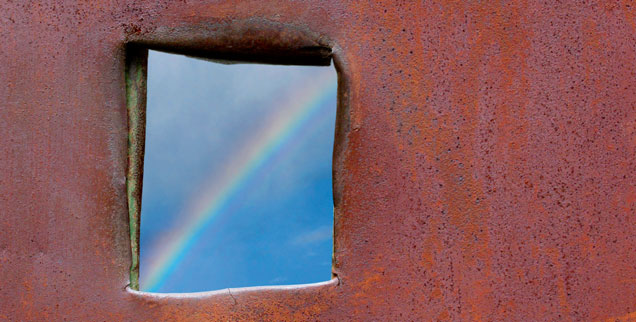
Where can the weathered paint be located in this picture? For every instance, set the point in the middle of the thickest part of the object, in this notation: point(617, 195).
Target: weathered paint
point(483, 166)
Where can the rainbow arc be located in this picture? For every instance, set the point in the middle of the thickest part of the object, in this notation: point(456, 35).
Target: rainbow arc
point(301, 107)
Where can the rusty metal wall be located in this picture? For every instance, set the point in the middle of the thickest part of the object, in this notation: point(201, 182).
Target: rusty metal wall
point(484, 166)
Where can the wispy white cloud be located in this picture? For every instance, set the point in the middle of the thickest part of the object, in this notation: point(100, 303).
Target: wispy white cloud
point(317, 235)
point(278, 280)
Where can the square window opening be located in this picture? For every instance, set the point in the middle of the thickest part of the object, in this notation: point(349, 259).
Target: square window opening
point(237, 173)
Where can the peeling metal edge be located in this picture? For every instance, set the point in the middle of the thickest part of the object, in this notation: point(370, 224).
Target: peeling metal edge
point(341, 135)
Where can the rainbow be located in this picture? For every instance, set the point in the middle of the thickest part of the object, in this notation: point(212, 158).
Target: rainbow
point(301, 106)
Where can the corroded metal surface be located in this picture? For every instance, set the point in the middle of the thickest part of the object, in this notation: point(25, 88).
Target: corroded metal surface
point(484, 164)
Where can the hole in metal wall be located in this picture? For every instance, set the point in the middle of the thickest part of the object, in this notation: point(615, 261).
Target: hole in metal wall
point(237, 175)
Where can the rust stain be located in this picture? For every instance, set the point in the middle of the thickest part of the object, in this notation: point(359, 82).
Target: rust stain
point(629, 317)
point(484, 164)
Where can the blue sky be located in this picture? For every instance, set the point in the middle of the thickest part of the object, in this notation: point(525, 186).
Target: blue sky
point(278, 228)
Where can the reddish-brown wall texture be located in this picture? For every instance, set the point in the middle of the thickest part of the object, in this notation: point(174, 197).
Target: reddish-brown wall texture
point(484, 163)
